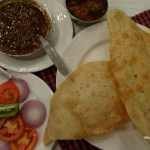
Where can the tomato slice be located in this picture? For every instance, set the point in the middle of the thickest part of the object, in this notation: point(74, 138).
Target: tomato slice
point(27, 141)
point(9, 93)
point(11, 128)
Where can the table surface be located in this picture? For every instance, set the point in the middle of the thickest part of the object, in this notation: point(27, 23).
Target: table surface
point(141, 16)
point(136, 9)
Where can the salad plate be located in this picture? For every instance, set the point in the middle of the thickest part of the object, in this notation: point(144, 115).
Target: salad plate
point(61, 36)
point(35, 85)
point(92, 44)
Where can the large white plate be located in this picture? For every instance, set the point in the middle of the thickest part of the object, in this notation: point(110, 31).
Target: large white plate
point(35, 86)
point(62, 35)
point(89, 45)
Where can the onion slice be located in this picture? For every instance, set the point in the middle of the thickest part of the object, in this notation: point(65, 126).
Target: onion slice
point(4, 145)
point(33, 113)
point(22, 86)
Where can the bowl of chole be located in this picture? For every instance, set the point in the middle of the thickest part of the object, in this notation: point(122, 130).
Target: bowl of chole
point(86, 12)
point(22, 23)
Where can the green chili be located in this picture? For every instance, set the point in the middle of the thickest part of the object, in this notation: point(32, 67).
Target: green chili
point(7, 110)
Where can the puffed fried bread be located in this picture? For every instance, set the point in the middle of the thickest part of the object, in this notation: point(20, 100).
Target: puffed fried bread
point(85, 104)
point(130, 65)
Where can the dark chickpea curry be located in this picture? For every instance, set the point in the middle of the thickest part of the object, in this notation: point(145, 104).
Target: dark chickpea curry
point(21, 24)
point(87, 10)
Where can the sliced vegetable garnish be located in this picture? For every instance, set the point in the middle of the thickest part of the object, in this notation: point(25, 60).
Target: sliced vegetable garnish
point(9, 93)
point(22, 86)
point(27, 141)
point(7, 110)
point(11, 128)
point(4, 146)
point(33, 112)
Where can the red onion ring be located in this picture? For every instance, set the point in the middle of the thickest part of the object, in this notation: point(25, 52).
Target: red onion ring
point(33, 112)
point(4, 145)
point(22, 86)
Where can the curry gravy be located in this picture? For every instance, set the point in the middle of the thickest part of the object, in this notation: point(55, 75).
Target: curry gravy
point(21, 24)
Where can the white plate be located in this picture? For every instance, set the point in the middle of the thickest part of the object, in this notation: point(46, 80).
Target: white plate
point(35, 86)
point(62, 35)
point(89, 45)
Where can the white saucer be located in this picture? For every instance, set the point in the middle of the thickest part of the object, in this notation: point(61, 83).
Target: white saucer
point(61, 37)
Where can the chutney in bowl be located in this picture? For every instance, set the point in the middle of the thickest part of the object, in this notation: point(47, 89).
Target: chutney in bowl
point(22, 22)
point(86, 12)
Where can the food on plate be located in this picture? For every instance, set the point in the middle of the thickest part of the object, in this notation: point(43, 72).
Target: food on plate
point(129, 62)
point(146, 38)
point(7, 110)
point(22, 22)
point(87, 10)
point(17, 126)
point(22, 86)
point(86, 103)
point(9, 93)
point(27, 141)
point(11, 128)
point(148, 31)
point(33, 112)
